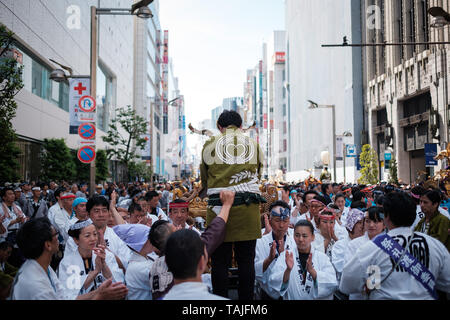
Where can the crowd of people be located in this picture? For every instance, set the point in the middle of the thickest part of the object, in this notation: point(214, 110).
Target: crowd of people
point(311, 240)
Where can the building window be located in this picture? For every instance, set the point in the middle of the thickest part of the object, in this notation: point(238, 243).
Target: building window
point(284, 145)
point(104, 98)
point(284, 110)
point(157, 120)
point(36, 79)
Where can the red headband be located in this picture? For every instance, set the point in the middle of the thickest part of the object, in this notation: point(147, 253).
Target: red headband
point(69, 196)
point(326, 217)
point(179, 205)
point(416, 196)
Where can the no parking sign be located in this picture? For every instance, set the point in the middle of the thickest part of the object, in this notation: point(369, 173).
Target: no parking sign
point(86, 154)
point(87, 131)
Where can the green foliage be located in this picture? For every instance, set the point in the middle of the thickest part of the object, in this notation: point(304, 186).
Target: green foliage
point(101, 166)
point(139, 170)
point(134, 127)
point(369, 165)
point(10, 84)
point(9, 153)
point(82, 170)
point(57, 161)
point(393, 171)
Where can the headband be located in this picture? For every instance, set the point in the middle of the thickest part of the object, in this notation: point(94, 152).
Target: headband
point(284, 213)
point(326, 217)
point(68, 196)
point(81, 225)
point(178, 205)
point(415, 196)
point(315, 200)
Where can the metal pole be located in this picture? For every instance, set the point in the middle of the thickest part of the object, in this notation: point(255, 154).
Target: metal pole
point(93, 84)
point(344, 155)
point(334, 141)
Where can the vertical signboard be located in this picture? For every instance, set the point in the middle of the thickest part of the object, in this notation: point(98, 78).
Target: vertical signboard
point(430, 153)
point(78, 88)
point(165, 82)
point(339, 148)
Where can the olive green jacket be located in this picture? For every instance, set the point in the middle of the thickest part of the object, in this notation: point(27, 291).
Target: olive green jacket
point(233, 161)
point(439, 226)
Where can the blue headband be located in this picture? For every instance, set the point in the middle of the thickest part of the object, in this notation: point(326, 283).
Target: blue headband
point(284, 213)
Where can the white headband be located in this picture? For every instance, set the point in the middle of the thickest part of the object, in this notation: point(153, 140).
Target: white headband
point(81, 225)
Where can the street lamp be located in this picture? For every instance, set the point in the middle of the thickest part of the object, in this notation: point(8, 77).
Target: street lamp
point(441, 18)
point(139, 9)
point(59, 75)
point(314, 105)
point(173, 102)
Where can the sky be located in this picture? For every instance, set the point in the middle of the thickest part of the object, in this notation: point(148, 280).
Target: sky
point(213, 43)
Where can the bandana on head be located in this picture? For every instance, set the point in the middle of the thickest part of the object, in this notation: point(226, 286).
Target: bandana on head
point(354, 216)
point(77, 201)
point(283, 215)
point(134, 235)
point(326, 216)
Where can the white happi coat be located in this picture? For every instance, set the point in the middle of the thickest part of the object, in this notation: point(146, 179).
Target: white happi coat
point(321, 289)
point(137, 277)
point(353, 246)
point(262, 251)
point(72, 274)
point(191, 291)
point(32, 282)
point(338, 255)
point(155, 218)
point(400, 284)
point(113, 243)
point(62, 223)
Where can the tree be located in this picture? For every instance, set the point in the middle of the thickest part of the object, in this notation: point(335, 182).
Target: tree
point(135, 127)
point(82, 170)
point(10, 84)
point(101, 166)
point(57, 161)
point(140, 170)
point(369, 165)
point(393, 176)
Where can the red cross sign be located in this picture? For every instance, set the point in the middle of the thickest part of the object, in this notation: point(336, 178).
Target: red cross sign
point(80, 88)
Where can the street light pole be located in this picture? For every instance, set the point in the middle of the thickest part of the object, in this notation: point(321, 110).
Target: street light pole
point(93, 84)
point(333, 111)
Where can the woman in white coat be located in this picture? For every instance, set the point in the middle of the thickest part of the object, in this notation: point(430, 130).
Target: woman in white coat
point(313, 275)
point(86, 268)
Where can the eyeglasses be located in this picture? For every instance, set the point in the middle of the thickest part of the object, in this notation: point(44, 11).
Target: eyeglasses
point(55, 234)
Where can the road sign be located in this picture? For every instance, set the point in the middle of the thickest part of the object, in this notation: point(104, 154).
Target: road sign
point(86, 154)
point(87, 131)
point(78, 87)
point(350, 150)
point(387, 156)
point(86, 104)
